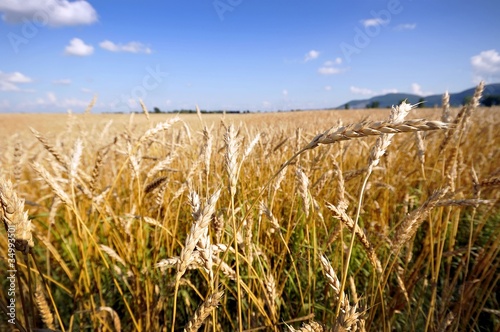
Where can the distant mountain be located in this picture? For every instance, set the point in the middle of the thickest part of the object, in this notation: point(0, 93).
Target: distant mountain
point(456, 99)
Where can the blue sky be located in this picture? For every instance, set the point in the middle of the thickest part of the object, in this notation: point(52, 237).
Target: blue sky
point(268, 55)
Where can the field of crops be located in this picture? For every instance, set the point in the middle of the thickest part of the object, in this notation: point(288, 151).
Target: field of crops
point(383, 220)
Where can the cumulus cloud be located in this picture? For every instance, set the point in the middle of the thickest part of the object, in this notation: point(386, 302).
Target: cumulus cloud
point(10, 81)
point(329, 70)
point(417, 89)
point(131, 47)
point(361, 91)
point(77, 47)
point(373, 22)
point(486, 66)
point(330, 63)
point(328, 88)
point(311, 55)
point(51, 97)
point(52, 101)
point(407, 26)
point(285, 92)
point(62, 81)
point(48, 12)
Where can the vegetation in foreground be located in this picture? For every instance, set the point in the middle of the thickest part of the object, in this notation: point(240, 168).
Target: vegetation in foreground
point(374, 226)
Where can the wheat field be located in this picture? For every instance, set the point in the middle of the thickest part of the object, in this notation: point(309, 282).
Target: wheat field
point(370, 220)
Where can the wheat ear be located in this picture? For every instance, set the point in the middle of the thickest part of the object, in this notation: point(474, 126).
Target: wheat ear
point(203, 311)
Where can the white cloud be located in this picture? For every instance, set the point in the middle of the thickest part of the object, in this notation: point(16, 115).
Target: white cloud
point(168, 102)
point(330, 63)
point(361, 91)
point(285, 92)
point(10, 81)
point(51, 97)
point(78, 47)
point(486, 66)
point(48, 12)
point(328, 88)
point(85, 90)
point(52, 101)
point(311, 55)
point(63, 81)
point(417, 89)
point(131, 47)
point(330, 70)
point(373, 22)
point(407, 26)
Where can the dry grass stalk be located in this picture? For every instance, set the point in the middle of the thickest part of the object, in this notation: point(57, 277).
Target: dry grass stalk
point(15, 219)
point(350, 319)
point(50, 148)
point(114, 316)
point(342, 202)
point(304, 189)
point(330, 275)
point(49, 179)
point(446, 116)
point(464, 202)
point(159, 128)
point(232, 147)
point(144, 109)
point(217, 225)
point(312, 326)
point(97, 166)
point(75, 159)
point(203, 245)
point(90, 105)
point(271, 289)
point(250, 147)
point(412, 222)
point(113, 254)
point(155, 184)
point(346, 220)
point(203, 311)
point(198, 228)
point(368, 128)
point(320, 183)
point(491, 182)
point(462, 118)
point(420, 147)
point(18, 166)
point(279, 179)
point(398, 114)
point(43, 307)
point(349, 175)
point(207, 148)
point(274, 222)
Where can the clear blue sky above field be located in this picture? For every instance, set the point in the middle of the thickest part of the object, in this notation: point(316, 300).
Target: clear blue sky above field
point(239, 54)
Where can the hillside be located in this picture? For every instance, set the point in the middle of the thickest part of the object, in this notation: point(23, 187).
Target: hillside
point(456, 99)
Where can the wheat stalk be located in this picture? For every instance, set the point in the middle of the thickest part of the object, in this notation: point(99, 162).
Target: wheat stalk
point(15, 219)
point(412, 222)
point(345, 219)
point(198, 228)
point(203, 311)
point(43, 307)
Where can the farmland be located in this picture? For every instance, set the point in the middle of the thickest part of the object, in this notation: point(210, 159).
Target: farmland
point(309, 221)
